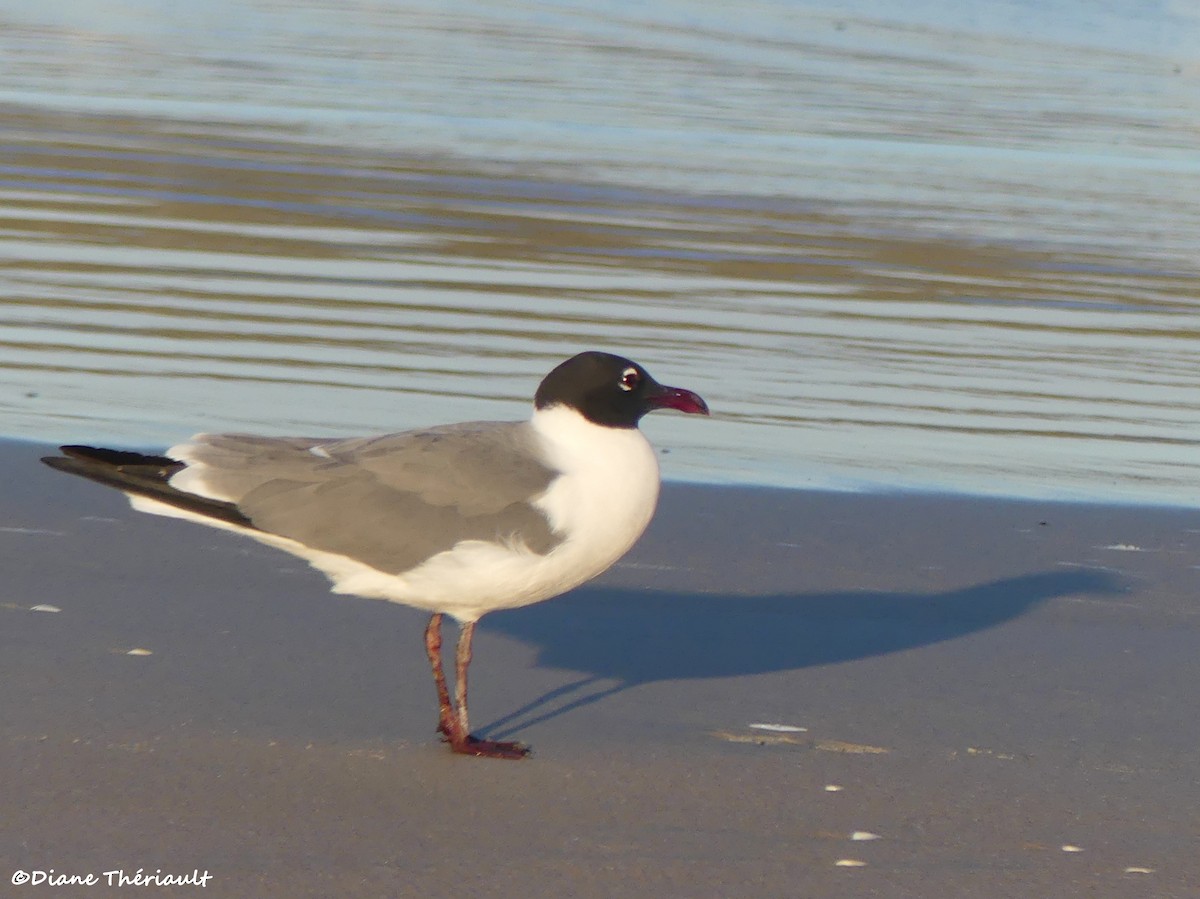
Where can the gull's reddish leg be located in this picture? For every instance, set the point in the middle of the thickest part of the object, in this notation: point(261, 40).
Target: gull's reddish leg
point(433, 647)
point(462, 741)
point(462, 661)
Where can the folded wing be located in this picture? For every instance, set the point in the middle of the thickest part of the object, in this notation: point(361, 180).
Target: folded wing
point(390, 502)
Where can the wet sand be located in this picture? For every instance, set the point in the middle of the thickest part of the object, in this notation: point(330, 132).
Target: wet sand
point(987, 682)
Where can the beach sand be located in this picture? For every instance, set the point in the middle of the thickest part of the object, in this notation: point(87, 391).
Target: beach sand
point(985, 682)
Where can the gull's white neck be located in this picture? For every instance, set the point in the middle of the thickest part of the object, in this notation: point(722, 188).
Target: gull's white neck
point(608, 489)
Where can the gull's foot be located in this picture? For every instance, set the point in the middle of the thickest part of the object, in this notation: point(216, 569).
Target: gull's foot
point(489, 749)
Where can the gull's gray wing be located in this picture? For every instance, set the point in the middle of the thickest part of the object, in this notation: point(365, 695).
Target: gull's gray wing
point(391, 501)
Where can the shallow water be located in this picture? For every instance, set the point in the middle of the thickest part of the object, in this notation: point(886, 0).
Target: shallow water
point(951, 247)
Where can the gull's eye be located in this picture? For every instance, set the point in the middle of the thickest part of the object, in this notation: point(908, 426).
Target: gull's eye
point(630, 378)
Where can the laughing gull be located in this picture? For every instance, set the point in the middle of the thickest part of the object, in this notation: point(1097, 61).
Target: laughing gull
point(457, 520)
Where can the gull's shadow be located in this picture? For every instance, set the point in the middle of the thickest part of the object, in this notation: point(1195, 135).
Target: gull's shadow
point(634, 637)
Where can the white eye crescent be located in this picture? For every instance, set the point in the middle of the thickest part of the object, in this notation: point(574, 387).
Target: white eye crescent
point(630, 378)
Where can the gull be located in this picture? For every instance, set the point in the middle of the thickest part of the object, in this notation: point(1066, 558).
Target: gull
point(458, 519)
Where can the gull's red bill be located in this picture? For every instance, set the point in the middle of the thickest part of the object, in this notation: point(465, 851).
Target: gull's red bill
point(677, 398)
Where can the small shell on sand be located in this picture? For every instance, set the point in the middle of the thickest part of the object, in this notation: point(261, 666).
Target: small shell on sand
point(1137, 869)
point(779, 728)
point(850, 863)
point(1067, 847)
point(860, 835)
point(44, 607)
point(139, 652)
point(833, 788)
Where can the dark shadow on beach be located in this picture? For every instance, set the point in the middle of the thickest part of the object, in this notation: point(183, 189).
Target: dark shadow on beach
point(623, 638)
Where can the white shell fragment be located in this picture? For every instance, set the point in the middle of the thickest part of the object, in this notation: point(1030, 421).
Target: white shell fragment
point(833, 788)
point(779, 728)
point(139, 652)
point(1067, 847)
point(1137, 869)
point(861, 835)
point(850, 863)
point(44, 607)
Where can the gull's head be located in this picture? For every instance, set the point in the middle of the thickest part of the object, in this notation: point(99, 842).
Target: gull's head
point(611, 391)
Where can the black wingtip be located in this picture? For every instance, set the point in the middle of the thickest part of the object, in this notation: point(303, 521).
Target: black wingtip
point(145, 475)
point(116, 457)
